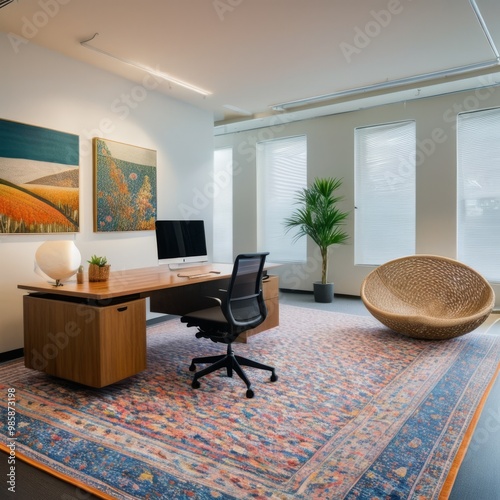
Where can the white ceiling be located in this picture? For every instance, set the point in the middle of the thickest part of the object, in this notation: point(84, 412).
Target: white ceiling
point(253, 54)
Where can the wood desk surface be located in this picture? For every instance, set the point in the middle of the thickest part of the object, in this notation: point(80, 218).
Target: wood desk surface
point(133, 281)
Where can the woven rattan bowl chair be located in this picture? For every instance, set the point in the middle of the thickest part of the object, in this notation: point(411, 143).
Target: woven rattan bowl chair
point(428, 296)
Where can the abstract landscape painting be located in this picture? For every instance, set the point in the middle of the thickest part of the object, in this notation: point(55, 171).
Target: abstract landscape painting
point(39, 180)
point(125, 187)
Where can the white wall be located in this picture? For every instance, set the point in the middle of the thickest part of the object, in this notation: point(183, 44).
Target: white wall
point(330, 149)
point(43, 88)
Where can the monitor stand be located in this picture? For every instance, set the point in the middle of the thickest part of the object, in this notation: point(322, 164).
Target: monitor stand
point(186, 265)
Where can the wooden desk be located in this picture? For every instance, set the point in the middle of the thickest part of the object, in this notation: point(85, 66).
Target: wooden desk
point(95, 333)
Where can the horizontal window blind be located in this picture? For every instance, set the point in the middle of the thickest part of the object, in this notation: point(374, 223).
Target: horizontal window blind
point(223, 206)
point(385, 157)
point(282, 173)
point(478, 191)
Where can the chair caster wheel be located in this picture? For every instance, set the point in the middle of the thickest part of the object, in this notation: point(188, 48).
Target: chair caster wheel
point(195, 384)
point(192, 367)
point(274, 377)
point(250, 393)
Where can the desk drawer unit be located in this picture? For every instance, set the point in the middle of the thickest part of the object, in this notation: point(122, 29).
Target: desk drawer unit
point(91, 345)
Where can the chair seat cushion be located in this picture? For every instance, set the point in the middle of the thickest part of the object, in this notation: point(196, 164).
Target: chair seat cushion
point(213, 314)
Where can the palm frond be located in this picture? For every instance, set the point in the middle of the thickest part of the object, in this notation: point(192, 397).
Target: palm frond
point(318, 217)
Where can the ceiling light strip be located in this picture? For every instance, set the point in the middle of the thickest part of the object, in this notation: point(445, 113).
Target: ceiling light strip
point(151, 71)
point(486, 32)
point(427, 77)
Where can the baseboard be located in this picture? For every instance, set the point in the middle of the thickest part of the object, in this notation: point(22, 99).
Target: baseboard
point(310, 292)
point(10, 355)
point(160, 319)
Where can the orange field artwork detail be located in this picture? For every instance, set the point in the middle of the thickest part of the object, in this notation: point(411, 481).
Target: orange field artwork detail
point(21, 213)
point(39, 179)
point(66, 199)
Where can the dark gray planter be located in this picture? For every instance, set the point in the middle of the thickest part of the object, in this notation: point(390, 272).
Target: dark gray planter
point(323, 293)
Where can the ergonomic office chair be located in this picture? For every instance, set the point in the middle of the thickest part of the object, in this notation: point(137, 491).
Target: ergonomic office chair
point(241, 308)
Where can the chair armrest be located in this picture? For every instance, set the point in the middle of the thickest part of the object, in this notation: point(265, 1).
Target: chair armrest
point(219, 301)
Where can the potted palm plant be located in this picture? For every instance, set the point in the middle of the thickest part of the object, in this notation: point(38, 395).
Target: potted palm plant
point(318, 217)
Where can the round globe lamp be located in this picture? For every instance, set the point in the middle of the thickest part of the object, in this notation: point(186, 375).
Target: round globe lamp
point(58, 260)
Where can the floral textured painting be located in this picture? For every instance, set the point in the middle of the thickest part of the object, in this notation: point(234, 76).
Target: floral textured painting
point(39, 180)
point(124, 187)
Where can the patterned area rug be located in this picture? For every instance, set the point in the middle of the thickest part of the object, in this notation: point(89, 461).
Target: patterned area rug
point(357, 412)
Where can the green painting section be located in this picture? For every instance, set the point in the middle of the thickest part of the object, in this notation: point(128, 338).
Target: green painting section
point(18, 140)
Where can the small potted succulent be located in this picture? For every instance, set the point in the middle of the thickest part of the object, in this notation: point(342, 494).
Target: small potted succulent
point(98, 268)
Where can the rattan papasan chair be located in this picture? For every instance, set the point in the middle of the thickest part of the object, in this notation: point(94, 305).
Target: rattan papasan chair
point(428, 296)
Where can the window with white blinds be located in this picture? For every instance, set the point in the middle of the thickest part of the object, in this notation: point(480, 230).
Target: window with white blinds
point(282, 173)
point(478, 191)
point(223, 206)
point(385, 159)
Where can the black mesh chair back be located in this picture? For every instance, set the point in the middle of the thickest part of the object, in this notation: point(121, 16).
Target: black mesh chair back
point(244, 306)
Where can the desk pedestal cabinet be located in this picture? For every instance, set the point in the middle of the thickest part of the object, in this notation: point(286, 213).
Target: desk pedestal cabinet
point(91, 345)
point(95, 333)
